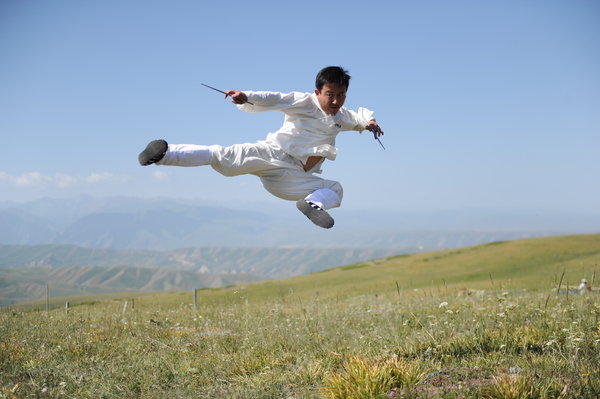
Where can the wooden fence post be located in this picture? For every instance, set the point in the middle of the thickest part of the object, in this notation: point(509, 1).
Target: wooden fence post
point(67, 307)
point(195, 300)
point(47, 298)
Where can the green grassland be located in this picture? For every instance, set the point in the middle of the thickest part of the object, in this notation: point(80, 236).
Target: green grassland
point(492, 321)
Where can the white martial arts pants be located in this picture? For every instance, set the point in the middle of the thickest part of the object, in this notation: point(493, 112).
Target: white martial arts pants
point(281, 174)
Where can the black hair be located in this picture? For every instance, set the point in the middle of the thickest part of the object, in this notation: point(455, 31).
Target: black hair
point(334, 75)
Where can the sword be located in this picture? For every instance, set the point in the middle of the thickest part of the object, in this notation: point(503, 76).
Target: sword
point(220, 91)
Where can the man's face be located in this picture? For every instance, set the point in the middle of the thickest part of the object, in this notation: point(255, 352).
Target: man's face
point(331, 97)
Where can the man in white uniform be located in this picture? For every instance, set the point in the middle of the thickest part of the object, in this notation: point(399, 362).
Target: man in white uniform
point(286, 160)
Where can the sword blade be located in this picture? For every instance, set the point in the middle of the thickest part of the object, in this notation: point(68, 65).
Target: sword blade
point(220, 91)
point(210, 87)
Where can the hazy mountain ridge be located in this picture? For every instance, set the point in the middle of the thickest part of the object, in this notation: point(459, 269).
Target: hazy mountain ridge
point(264, 262)
point(168, 224)
point(73, 270)
point(125, 223)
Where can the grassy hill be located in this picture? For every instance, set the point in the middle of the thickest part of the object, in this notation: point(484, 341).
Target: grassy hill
point(23, 284)
point(532, 264)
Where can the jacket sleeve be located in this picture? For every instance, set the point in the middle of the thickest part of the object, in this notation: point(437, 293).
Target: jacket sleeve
point(357, 120)
point(273, 101)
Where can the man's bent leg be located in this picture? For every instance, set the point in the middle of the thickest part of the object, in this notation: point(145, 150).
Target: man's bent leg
point(313, 195)
point(324, 198)
point(315, 214)
point(315, 204)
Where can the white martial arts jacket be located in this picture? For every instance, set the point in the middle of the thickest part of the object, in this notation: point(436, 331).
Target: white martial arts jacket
point(307, 130)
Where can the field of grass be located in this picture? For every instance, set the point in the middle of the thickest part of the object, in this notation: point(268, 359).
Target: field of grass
point(486, 321)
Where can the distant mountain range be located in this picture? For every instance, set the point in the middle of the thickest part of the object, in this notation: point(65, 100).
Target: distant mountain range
point(264, 263)
point(90, 245)
point(167, 224)
point(72, 270)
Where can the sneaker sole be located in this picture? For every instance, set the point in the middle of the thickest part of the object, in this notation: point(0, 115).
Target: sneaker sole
point(319, 217)
point(154, 152)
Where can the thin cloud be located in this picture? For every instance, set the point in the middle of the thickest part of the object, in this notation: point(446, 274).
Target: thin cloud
point(64, 181)
point(30, 179)
point(99, 177)
point(60, 180)
point(160, 176)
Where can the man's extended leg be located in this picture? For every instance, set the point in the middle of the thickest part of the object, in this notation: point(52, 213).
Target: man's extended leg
point(187, 155)
point(238, 159)
point(161, 153)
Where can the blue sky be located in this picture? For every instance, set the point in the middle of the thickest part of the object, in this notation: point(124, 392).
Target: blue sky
point(484, 104)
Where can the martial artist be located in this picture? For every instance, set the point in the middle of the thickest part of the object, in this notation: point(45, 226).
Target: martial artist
point(286, 161)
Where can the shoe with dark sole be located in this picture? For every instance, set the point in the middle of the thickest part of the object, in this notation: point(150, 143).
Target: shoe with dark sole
point(316, 215)
point(154, 152)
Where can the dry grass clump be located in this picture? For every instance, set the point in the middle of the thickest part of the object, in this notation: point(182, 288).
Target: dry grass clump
point(363, 378)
